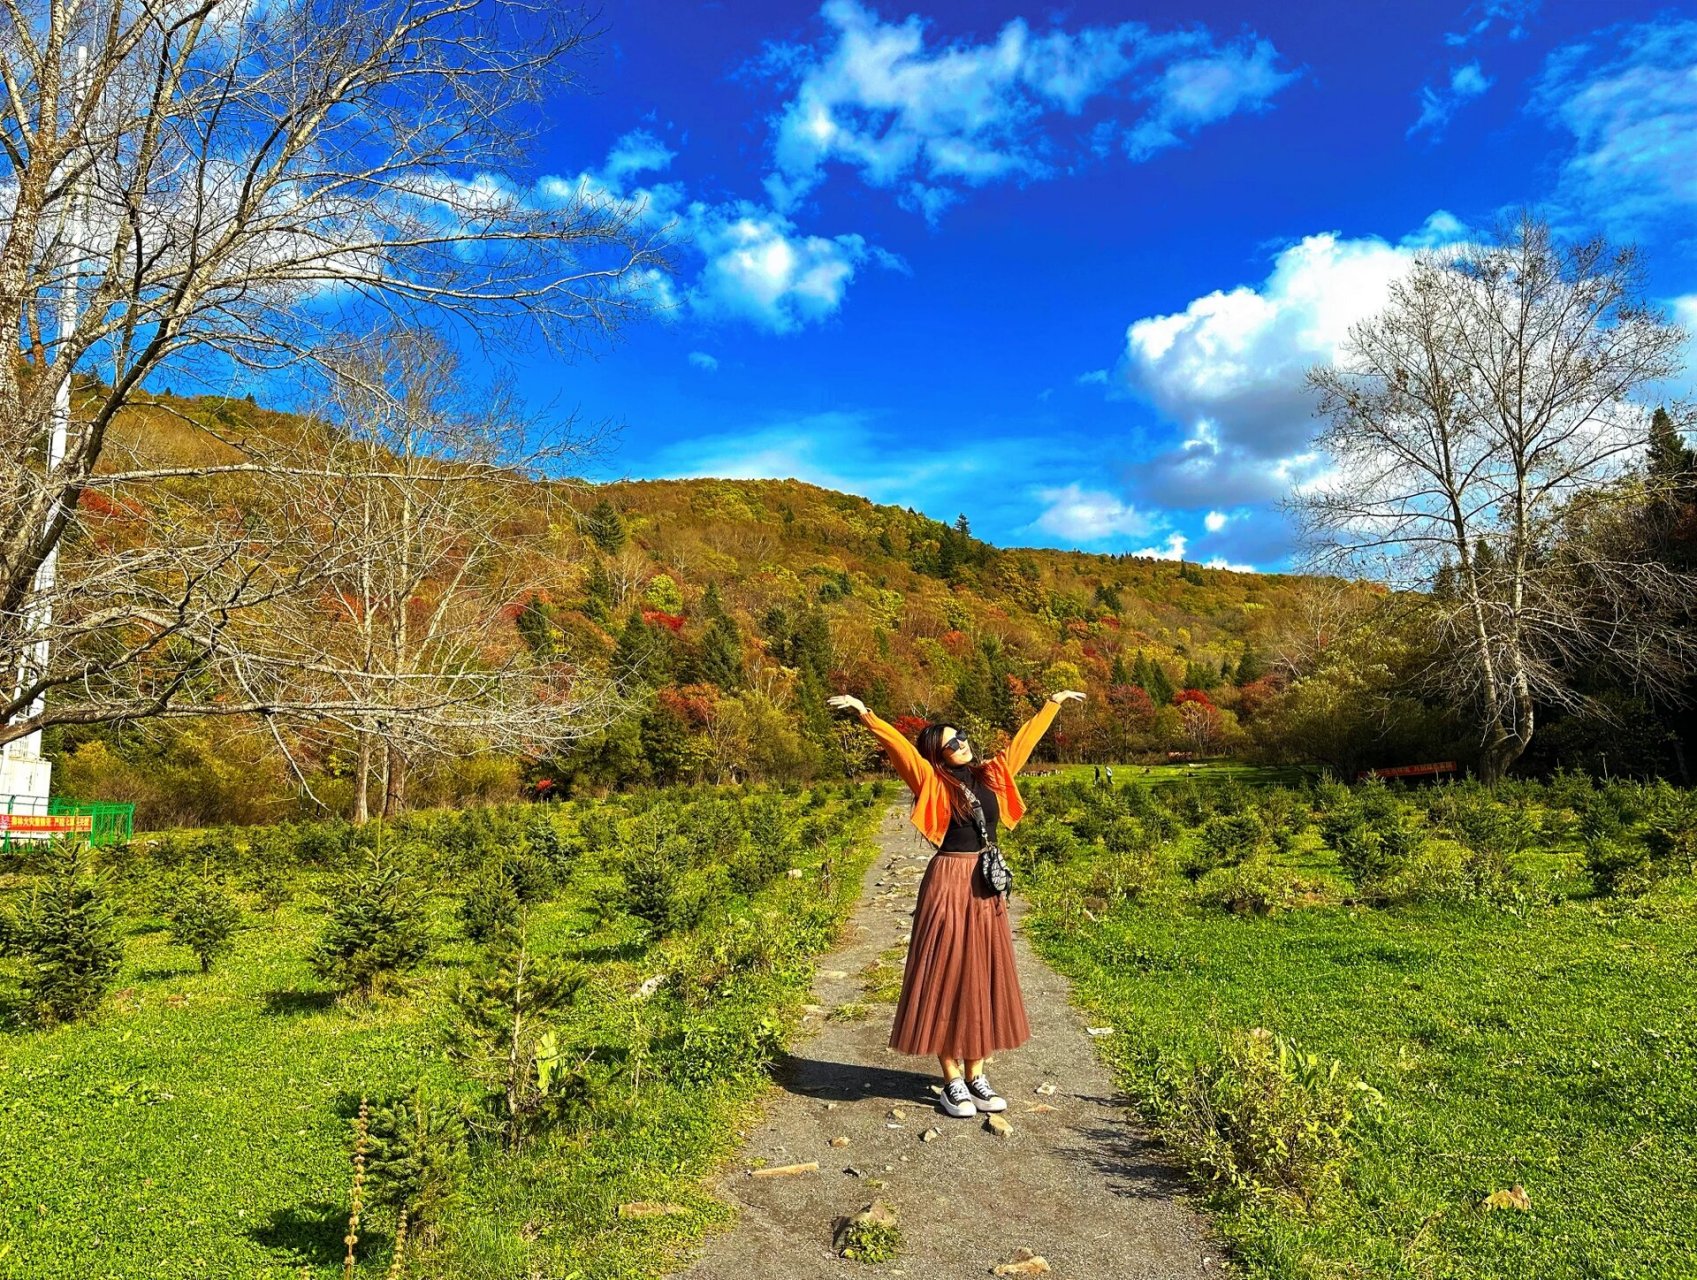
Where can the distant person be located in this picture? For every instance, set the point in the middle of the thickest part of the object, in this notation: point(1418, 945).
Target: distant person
point(960, 997)
point(1098, 769)
point(1110, 777)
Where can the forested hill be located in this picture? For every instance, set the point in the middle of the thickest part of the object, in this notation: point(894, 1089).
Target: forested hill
point(729, 610)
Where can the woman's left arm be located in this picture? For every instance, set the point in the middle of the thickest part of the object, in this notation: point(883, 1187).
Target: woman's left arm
point(1025, 740)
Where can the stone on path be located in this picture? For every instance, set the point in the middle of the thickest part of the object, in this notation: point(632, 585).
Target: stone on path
point(998, 1126)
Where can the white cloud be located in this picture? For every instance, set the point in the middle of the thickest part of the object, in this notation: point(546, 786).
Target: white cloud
point(1220, 562)
point(1096, 377)
point(706, 363)
point(1437, 104)
point(1630, 101)
point(1685, 313)
point(1512, 14)
point(760, 268)
point(1230, 368)
point(1199, 91)
point(1172, 550)
point(928, 120)
point(752, 262)
point(1214, 521)
point(1088, 515)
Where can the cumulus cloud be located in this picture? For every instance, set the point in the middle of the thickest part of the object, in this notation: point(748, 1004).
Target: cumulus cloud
point(706, 363)
point(1088, 515)
point(752, 262)
point(1229, 369)
point(1629, 98)
point(1214, 521)
point(1439, 103)
point(929, 120)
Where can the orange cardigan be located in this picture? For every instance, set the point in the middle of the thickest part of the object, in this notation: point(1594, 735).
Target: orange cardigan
point(931, 800)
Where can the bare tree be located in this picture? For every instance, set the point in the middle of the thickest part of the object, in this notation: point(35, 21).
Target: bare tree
point(1498, 386)
point(431, 527)
point(217, 188)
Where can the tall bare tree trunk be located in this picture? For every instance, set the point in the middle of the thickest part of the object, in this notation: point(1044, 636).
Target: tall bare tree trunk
point(362, 780)
point(395, 783)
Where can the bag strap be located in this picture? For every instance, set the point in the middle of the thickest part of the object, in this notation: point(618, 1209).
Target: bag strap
point(978, 820)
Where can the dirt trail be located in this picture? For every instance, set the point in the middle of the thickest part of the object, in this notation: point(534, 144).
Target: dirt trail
point(1078, 1185)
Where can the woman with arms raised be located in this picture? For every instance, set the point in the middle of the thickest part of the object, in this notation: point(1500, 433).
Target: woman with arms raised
point(960, 996)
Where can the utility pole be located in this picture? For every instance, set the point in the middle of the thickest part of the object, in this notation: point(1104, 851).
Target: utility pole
point(25, 778)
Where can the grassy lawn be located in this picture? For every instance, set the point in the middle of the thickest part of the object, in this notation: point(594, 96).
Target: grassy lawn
point(1203, 772)
point(198, 1125)
point(1549, 1043)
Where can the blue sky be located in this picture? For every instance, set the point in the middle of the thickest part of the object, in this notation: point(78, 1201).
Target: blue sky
point(1062, 269)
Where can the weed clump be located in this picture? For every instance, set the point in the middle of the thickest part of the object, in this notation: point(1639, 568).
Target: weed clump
point(1263, 1119)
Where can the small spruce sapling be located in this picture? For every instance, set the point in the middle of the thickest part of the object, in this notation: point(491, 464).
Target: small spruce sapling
point(418, 1161)
point(204, 919)
point(68, 934)
point(377, 927)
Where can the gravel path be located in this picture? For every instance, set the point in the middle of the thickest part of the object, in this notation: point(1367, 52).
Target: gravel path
point(1077, 1185)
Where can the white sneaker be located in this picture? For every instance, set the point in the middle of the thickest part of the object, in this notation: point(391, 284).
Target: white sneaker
point(956, 1100)
point(985, 1098)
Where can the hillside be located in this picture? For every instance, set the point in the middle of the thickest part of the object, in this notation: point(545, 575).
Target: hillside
point(729, 609)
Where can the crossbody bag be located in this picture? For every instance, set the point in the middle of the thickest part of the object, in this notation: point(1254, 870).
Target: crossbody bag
point(991, 865)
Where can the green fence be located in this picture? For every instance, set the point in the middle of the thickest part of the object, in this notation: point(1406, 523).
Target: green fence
point(99, 822)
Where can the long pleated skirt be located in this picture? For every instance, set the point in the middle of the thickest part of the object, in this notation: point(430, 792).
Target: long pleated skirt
point(960, 995)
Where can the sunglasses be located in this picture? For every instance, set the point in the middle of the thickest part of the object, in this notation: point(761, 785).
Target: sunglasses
point(956, 741)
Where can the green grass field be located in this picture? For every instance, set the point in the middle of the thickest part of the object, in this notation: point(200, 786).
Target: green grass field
point(1550, 1043)
point(198, 1126)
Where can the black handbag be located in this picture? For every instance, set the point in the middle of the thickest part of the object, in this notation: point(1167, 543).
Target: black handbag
point(991, 865)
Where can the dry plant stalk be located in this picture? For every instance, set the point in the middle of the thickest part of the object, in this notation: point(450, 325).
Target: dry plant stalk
point(362, 1127)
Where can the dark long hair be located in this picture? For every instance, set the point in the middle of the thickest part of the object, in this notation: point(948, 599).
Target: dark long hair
point(930, 744)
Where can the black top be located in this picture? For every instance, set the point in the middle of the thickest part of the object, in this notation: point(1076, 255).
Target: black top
point(962, 835)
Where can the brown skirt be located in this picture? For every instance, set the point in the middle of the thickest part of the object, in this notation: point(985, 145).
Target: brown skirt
point(960, 995)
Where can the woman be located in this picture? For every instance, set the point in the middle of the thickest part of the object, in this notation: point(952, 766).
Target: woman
point(960, 995)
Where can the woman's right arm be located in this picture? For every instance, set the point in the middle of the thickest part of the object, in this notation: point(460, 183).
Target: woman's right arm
point(904, 756)
point(905, 759)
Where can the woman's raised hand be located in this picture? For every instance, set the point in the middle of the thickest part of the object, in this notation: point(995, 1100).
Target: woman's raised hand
point(847, 702)
point(1064, 695)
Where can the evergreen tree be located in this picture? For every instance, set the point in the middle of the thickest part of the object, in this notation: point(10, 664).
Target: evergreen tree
point(884, 543)
point(711, 606)
point(598, 592)
point(1004, 710)
point(606, 527)
point(972, 690)
point(642, 656)
point(68, 934)
point(1152, 678)
point(1250, 667)
point(417, 1161)
point(1671, 459)
point(961, 525)
point(377, 927)
point(204, 918)
point(1117, 673)
point(535, 624)
point(721, 653)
